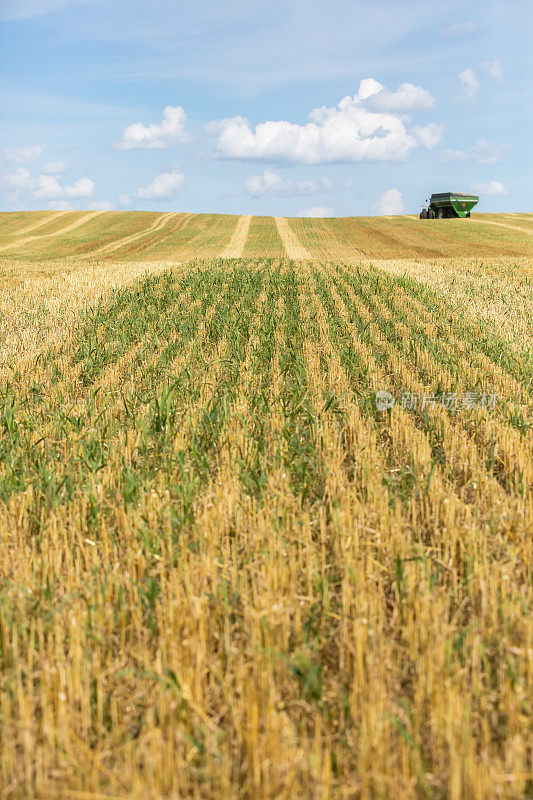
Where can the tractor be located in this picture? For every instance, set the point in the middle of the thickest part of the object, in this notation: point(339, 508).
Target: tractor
point(449, 204)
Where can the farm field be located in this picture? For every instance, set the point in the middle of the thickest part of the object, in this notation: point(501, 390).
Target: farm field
point(225, 570)
point(152, 236)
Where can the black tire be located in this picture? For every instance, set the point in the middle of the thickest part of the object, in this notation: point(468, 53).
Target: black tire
point(423, 214)
point(431, 213)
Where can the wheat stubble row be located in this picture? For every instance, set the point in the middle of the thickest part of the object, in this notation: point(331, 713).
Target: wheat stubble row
point(225, 573)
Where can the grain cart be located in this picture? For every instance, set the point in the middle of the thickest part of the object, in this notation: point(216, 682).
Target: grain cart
point(449, 204)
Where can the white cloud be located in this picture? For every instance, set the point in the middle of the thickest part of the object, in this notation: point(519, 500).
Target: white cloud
point(20, 155)
point(469, 85)
point(60, 205)
point(390, 202)
point(490, 188)
point(55, 168)
point(494, 69)
point(430, 135)
point(100, 205)
point(47, 187)
point(317, 212)
point(218, 126)
point(348, 132)
point(481, 152)
point(162, 187)
point(19, 181)
point(271, 182)
point(460, 28)
point(156, 137)
point(408, 98)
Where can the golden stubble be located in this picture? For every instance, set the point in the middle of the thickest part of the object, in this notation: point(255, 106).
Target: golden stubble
point(341, 609)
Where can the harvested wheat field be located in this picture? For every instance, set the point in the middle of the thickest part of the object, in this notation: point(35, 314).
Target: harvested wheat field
point(227, 569)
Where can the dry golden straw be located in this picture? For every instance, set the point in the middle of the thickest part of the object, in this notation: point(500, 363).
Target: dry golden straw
point(224, 571)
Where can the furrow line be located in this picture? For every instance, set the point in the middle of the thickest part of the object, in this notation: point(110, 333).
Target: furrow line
point(78, 223)
point(292, 246)
point(235, 247)
point(445, 507)
point(464, 459)
point(111, 246)
point(509, 450)
point(49, 218)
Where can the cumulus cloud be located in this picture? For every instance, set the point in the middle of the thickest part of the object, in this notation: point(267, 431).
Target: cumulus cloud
point(349, 132)
point(60, 205)
point(317, 212)
point(156, 137)
point(163, 187)
point(390, 202)
point(271, 182)
point(407, 99)
point(20, 155)
point(19, 181)
point(45, 187)
point(460, 28)
point(22, 185)
point(55, 168)
point(101, 205)
point(494, 69)
point(469, 85)
point(490, 188)
point(430, 135)
point(481, 152)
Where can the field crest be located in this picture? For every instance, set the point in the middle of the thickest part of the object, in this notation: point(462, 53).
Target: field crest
point(179, 237)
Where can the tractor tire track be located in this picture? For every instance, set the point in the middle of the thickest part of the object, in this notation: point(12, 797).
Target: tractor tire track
point(502, 225)
point(292, 246)
point(145, 245)
point(71, 227)
point(118, 243)
point(519, 216)
point(53, 215)
point(235, 246)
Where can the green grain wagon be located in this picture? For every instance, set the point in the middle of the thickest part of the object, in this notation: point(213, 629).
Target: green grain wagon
point(449, 204)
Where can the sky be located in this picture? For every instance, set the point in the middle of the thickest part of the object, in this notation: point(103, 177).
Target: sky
point(285, 107)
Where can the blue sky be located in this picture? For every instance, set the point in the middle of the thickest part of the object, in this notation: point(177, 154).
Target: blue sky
point(280, 107)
